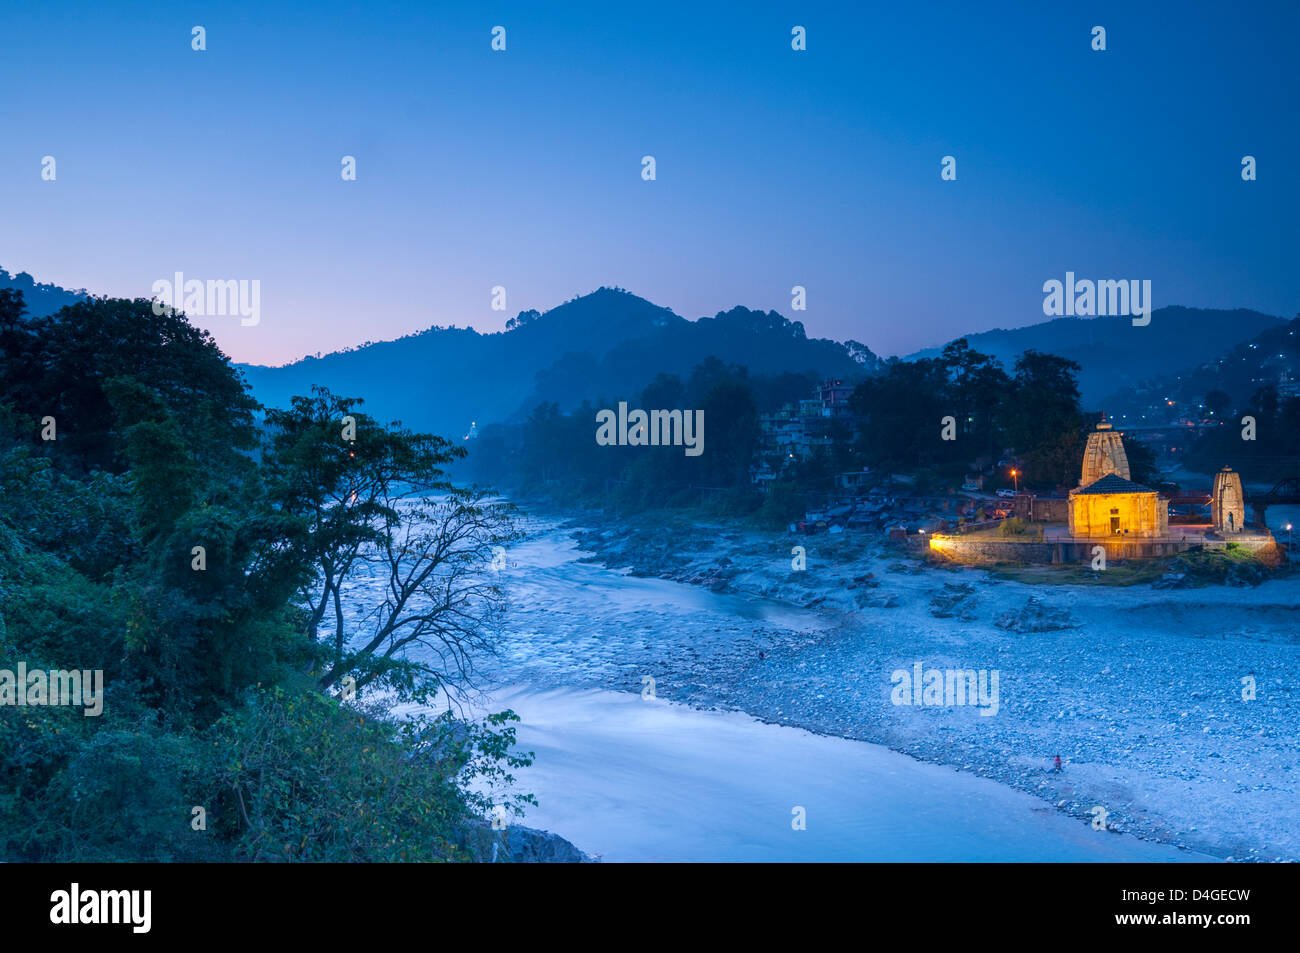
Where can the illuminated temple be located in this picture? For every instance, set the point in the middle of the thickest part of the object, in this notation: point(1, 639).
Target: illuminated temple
point(1108, 510)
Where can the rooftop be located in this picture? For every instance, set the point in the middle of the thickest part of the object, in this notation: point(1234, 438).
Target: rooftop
point(1114, 483)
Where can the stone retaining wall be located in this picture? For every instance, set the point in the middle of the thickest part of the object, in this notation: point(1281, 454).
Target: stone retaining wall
point(989, 550)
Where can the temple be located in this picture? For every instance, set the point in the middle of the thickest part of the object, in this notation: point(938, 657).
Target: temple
point(1115, 506)
point(1109, 511)
point(1228, 503)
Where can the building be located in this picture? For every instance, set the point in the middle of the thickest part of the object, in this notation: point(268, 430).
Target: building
point(1115, 506)
point(1228, 503)
point(1107, 503)
point(797, 431)
point(834, 397)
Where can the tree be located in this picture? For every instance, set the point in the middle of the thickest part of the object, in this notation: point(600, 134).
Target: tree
point(161, 540)
point(901, 413)
point(380, 508)
point(1141, 463)
point(731, 433)
point(58, 366)
point(1042, 419)
point(785, 503)
point(1217, 401)
point(1264, 404)
point(978, 385)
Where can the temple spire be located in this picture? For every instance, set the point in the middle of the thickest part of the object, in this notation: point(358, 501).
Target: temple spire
point(1104, 454)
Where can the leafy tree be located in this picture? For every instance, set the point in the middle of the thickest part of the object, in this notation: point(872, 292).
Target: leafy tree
point(381, 505)
point(901, 412)
point(731, 433)
point(1217, 401)
point(1141, 463)
point(977, 386)
point(1042, 419)
point(164, 540)
point(297, 777)
point(785, 503)
point(59, 366)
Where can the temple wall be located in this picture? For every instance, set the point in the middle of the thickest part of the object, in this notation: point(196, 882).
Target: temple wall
point(1141, 514)
point(985, 550)
point(1038, 509)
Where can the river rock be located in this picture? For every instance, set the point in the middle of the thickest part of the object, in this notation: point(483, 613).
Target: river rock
point(954, 599)
point(871, 600)
point(524, 845)
point(1035, 617)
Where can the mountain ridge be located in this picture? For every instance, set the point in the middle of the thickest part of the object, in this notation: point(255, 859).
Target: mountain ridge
point(1177, 337)
point(605, 344)
point(610, 343)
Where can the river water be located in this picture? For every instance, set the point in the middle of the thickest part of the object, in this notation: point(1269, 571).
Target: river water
point(647, 779)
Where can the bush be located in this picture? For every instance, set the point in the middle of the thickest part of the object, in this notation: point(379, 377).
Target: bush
point(1019, 526)
point(303, 778)
point(127, 795)
point(785, 504)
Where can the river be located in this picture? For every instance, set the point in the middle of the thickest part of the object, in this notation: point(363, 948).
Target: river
point(648, 779)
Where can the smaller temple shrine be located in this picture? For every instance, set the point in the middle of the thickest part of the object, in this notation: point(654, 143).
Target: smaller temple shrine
point(1228, 503)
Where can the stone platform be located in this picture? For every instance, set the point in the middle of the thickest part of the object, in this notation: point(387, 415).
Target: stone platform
point(1058, 546)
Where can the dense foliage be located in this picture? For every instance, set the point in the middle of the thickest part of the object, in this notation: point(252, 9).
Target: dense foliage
point(556, 453)
point(895, 426)
point(155, 527)
point(1262, 437)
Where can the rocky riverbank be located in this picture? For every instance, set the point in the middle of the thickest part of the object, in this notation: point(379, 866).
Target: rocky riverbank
point(1174, 711)
point(516, 844)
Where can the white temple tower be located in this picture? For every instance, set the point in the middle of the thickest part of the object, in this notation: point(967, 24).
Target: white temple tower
point(1104, 454)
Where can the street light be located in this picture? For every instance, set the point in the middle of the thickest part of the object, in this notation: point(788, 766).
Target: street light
point(1288, 537)
point(1015, 476)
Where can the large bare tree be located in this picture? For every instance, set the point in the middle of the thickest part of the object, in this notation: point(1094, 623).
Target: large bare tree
point(403, 589)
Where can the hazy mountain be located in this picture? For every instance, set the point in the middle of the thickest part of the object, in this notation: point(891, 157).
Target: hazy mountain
point(612, 343)
point(41, 299)
point(605, 344)
point(1272, 357)
point(1116, 355)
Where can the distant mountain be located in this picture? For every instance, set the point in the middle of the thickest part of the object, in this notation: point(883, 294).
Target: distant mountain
point(41, 299)
point(609, 343)
point(1116, 355)
point(1271, 357)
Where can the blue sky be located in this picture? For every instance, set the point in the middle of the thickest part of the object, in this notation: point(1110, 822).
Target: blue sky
point(775, 168)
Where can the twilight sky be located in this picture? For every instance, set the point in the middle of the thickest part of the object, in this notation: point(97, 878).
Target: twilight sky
point(775, 168)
